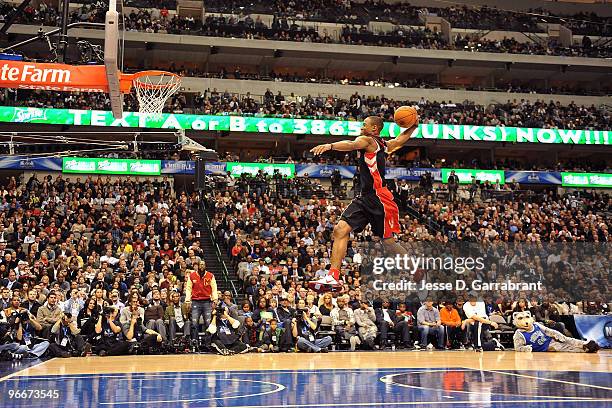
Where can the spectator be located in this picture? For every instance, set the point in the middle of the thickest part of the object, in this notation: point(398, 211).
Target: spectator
point(67, 340)
point(138, 334)
point(452, 326)
point(49, 314)
point(154, 315)
point(428, 320)
point(226, 338)
point(177, 316)
point(387, 320)
point(108, 340)
point(202, 288)
point(365, 319)
point(343, 320)
point(31, 304)
point(304, 330)
point(270, 337)
point(478, 321)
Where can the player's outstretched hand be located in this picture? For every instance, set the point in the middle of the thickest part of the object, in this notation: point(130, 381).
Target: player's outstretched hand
point(320, 149)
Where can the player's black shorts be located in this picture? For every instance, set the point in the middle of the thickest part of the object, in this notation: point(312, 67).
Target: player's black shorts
point(377, 209)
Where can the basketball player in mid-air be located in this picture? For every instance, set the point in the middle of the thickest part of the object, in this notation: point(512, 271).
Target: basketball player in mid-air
point(375, 204)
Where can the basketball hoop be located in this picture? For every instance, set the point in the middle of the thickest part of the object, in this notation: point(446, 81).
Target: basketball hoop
point(153, 88)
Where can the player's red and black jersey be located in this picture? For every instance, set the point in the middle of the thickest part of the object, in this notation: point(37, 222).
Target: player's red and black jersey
point(372, 168)
point(375, 205)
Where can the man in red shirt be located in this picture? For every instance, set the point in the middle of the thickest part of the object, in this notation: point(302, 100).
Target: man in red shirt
point(200, 294)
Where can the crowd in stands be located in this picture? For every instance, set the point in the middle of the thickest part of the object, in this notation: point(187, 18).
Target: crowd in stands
point(283, 29)
point(481, 18)
point(72, 248)
point(519, 113)
point(277, 244)
point(397, 160)
point(110, 265)
point(390, 81)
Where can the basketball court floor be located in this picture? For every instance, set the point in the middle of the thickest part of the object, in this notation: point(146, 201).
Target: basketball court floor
point(343, 379)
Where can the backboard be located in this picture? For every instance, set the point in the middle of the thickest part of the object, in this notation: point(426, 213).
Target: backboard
point(111, 58)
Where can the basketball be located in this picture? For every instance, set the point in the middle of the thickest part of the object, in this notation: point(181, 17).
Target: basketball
point(405, 116)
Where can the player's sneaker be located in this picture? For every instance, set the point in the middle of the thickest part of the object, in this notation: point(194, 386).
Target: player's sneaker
point(430, 346)
point(325, 284)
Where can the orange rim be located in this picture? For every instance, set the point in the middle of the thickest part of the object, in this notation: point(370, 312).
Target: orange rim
point(128, 81)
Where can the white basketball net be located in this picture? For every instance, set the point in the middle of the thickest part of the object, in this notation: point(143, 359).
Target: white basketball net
point(152, 92)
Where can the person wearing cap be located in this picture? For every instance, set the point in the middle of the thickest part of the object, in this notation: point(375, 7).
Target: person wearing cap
point(285, 312)
point(200, 295)
point(365, 319)
point(428, 321)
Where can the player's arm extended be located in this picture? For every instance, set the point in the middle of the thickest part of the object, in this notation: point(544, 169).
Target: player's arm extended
point(394, 144)
point(361, 142)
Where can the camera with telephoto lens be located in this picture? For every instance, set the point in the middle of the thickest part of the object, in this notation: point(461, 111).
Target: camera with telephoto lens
point(23, 317)
point(300, 314)
point(108, 310)
point(220, 309)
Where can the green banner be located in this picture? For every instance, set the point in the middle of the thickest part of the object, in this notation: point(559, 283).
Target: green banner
point(236, 169)
point(593, 180)
point(465, 175)
point(298, 126)
point(111, 166)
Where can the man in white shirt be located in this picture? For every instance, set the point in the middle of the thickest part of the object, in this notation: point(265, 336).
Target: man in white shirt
point(142, 208)
point(478, 321)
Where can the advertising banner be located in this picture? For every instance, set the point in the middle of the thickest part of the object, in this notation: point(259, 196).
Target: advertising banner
point(592, 180)
point(236, 169)
point(413, 174)
point(533, 177)
point(465, 175)
point(323, 170)
point(53, 77)
point(30, 163)
point(111, 166)
point(215, 168)
point(299, 126)
point(177, 167)
point(598, 328)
